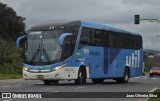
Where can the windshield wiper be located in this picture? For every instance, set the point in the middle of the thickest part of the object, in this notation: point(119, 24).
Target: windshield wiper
point(45, 52)
point(35, 54)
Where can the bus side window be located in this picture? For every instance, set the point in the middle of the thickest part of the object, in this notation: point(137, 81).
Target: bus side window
point(86, 38)
point(138, 42)
point(68, 47)
point(106, 39)
point(98, 38)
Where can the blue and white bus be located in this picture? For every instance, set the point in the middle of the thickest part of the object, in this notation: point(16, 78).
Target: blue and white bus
point(80, 50)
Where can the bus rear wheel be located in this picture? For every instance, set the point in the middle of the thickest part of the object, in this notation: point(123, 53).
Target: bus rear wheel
point(125, 78)
point(81, 77)
point(97, 81)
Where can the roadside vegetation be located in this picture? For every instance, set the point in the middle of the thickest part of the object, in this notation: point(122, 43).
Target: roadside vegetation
point(157, 92)
point(150, 63)
point(10, 76)
point(11, 27)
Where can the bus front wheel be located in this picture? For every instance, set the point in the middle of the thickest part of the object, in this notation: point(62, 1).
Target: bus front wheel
point(47, 82)
point(81, 77)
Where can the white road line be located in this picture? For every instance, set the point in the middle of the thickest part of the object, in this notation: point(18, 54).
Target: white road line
point(18, 85)
point(136, 77)
point(6, 86)
point(154, 78)
point(56, 91)
point(97, 84)
point(47, 89)
point(145, 77)
point(153, 89)
point(79, 87)
point(7, 100)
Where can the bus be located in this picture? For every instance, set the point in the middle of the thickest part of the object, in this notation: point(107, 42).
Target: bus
point(80, 50)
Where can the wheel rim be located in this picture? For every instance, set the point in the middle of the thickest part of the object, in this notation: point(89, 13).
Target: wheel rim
point(126, 77)
point(80, 77)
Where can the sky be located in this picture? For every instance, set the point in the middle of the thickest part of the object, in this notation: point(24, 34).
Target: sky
point(118, 13)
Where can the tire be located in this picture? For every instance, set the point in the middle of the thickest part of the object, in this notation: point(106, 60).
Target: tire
point(125, 78)
point(55, 81)
point(144, 73)
point(47, 82)
point(81, 77)
point(97, 81)
point(150, 75)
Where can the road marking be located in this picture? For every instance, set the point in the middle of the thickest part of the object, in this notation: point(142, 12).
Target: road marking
point(153, 89)
point(6, 86)
point(47, 89)
point(154, 78)
point(97, 84)
point(56, 91)
point(18, 85)
point(7, 100)
point(79, 87)
point(145, 77)
point(136, 77)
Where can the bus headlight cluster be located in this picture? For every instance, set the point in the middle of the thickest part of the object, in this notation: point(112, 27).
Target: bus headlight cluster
point(58, 67)
point(25, 68)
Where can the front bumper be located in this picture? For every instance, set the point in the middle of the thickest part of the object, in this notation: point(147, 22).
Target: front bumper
point(61, 74)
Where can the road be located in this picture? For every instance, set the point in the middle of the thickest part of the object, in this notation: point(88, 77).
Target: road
point(137, 84)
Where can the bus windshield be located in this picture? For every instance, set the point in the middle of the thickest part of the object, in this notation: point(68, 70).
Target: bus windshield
point(43, 46)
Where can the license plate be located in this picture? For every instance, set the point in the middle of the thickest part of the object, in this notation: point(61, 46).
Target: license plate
point(40, 76)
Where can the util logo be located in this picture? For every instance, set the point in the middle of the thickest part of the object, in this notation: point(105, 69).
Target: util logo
point(134, 59)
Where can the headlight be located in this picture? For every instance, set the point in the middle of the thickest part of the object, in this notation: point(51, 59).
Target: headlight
point(25, 68)
point(59, 67)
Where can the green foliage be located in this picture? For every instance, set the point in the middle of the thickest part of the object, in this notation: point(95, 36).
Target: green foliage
point(11, 64)
point(10, 76)
point(151, 62)
point(11, 27)
point(156, 92)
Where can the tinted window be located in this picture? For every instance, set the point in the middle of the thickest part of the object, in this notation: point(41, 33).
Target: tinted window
point(98, 38)
point(138, 42)
point(86, 37)
point(68, 47)
point(106, 38)
point(94, 37)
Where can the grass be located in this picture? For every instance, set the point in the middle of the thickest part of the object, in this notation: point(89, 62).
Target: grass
point(157, 92)
point(10, 76)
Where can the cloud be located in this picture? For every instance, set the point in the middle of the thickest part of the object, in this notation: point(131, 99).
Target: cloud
point(119, 13)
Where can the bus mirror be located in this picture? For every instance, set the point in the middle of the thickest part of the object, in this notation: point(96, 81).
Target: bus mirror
point(19, 40)
point(63, 36)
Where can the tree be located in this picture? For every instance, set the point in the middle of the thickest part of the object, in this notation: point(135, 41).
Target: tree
point(11, 25)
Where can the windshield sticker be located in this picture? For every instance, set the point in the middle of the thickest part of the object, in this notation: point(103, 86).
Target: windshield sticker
point(78, 54)
point(51, 27)
point(42, 57)
point(62, 27)
point(86, 51)
point(40, 37)
point(37, 32)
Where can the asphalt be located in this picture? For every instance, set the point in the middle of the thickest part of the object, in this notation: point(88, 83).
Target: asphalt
point(137, 84)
